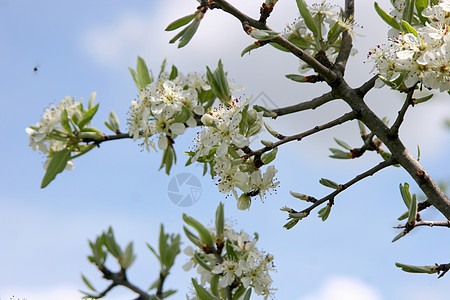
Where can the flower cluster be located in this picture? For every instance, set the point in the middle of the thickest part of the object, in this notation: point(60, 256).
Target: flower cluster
point(241, 265)
point(166, 107)
point(325, 38)
point(421, 56)
point(53, 132)
point(223, 143)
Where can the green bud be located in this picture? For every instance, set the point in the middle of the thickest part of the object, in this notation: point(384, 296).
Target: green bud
point(267, 143)
point(252, 115)
point(244, 202)
point(208, 120)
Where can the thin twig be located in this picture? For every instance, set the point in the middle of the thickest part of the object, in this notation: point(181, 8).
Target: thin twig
point(427, 223)
point(312, 104)
point(326, 73)
point(401, 114)
point(298, 137)
point(367, 86)
point(120, 278)
point(389, 162)
point(346, 44)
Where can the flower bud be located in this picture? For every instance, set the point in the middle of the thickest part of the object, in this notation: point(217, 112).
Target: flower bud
point(252, 115)
point(244, 202)
point(208, 120)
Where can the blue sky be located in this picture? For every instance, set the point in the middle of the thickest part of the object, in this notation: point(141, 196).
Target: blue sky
point(86, 46)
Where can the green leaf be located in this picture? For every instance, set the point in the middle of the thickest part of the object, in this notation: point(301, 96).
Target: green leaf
point(420, 6)
point(127, 257)
point(406, 195)
point(201, 262)
point(192, 237)
point(255, 128)
point(135, 79)
point(220, 221)
point(204, 233)
point(276, 46)
point(57, 164)
point(88, 116)
point(162, 68)
point(114, 121)
point(154, 252)
point(248, 294)
point(180, 22)
point(307, 17)
point(412, 210)
point(386, 17)
point(403, 215)
point(408, 28)
point(168, 293)
point(189, 33)
point(92, 100)
point(251, 47)
point(296, 77)
point(179, 35)
point(65, 121)
point(111, 245)
point(325, 212)
point(339, 154)
point(417, 269)
point(299, 41)
point(329, 183)
point(334, 33)
point(399, 236)
point(267, 158)
point(408, 11)
point(215, 285)
point(201, 292)
point(88, 283)
point(343, 144)
point(143, 75)
point(299, 196)
point(423, 99)
point(173, 73)
point(183, 115)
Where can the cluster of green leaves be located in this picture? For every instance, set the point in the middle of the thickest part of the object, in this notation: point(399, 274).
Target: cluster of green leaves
point(191, 22)
point(105, 244)
point(412, 206)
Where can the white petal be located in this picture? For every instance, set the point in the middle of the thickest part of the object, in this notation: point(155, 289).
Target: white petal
point(162, 142)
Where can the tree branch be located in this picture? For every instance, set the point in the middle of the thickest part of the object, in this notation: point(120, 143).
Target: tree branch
point(367, 86)
point(401, 114)
point(312, 104)
point(120, 278)
point(346, 44)
point(427, 223)
point(326, 73)
point(389, 162)
point(434, 194)
point(298, 137)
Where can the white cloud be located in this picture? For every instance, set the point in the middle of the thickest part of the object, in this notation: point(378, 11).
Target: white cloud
point(343, 288)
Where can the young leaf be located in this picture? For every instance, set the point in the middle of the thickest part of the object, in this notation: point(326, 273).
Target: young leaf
point(307, 17)
point(267, 158)
point(143, 75)
point(296, 78)
point(65, 121)
point(412, 210)
point(57, 164)
point(180, 22)
point(114, 121)
point(204, 233)
point(189, 33)
point(329, 183)
point(220, 221)
point(88, 116)
point(343, 144)
point(201, 292)
point(408, 28)
point(92, 100)
point(88, 283)
point(416, 269)
point(386, 17)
